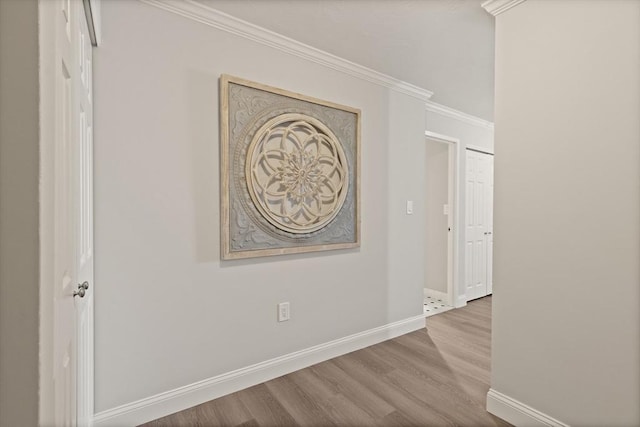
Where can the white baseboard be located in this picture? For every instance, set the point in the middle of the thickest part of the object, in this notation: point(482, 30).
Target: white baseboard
point(461, 301)
point(172, 401)
point(517, 413)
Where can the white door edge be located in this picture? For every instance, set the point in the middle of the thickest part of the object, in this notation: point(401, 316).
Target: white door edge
point(47, 131)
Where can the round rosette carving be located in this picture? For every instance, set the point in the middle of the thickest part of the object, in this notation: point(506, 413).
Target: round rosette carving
point(297, 173)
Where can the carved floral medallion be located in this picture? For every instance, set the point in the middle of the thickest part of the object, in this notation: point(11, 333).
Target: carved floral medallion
point(297, 173)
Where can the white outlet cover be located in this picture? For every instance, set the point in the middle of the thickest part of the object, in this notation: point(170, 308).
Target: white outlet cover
point(409, 207)
point(284, 311)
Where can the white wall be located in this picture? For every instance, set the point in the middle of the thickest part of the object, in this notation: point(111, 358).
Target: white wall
point(168, 312)
point(406, 177)
point(469, 131)
point(19, 209)
point(566, 324)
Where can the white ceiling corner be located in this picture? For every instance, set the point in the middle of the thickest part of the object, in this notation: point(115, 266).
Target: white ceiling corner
point(205, 14)
point(443, 110)
point(496, 7)
point(443, 48)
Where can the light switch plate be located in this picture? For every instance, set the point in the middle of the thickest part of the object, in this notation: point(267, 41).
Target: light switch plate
point(409, 207)
point(284, 312)
point(445, 209)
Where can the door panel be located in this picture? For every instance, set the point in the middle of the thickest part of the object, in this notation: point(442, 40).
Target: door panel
point(478, 218)
point(73, 236)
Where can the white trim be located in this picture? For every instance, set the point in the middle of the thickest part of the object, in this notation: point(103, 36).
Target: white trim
point(171, 401)
point(517, 413)
point(222, 21)
point(496, 7)
point(458, 115)
point(440, 137)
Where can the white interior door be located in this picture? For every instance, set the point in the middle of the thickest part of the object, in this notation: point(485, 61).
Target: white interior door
point(73, 200)
point(478, 224)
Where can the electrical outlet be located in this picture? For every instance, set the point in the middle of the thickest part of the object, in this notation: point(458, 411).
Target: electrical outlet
point(284, 312)
point(409, 207)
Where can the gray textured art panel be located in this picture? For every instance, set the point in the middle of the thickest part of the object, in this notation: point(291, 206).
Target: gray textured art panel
point(292, 172)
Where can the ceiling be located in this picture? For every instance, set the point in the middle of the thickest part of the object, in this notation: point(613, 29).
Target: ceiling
point(445, 46)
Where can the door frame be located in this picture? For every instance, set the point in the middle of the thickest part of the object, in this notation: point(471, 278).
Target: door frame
point(48, 114)
point(453, 254)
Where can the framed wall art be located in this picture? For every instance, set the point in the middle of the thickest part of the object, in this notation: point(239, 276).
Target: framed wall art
point(290, 172)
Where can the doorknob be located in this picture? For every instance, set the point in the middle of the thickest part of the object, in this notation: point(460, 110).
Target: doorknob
point(82, 289)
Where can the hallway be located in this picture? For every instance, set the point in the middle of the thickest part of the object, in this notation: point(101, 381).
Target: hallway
point(435, 376)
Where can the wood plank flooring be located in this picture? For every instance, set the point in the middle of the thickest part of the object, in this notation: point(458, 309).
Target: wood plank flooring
point(437, 376)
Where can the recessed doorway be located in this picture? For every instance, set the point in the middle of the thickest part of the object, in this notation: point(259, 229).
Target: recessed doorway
point(441, 223)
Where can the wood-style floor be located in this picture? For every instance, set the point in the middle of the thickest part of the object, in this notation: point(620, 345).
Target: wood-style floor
point(437, 376)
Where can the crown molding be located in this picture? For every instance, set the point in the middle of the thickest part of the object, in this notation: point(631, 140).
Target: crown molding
point(458, 115)
point(496, 7)
point(222, 21)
